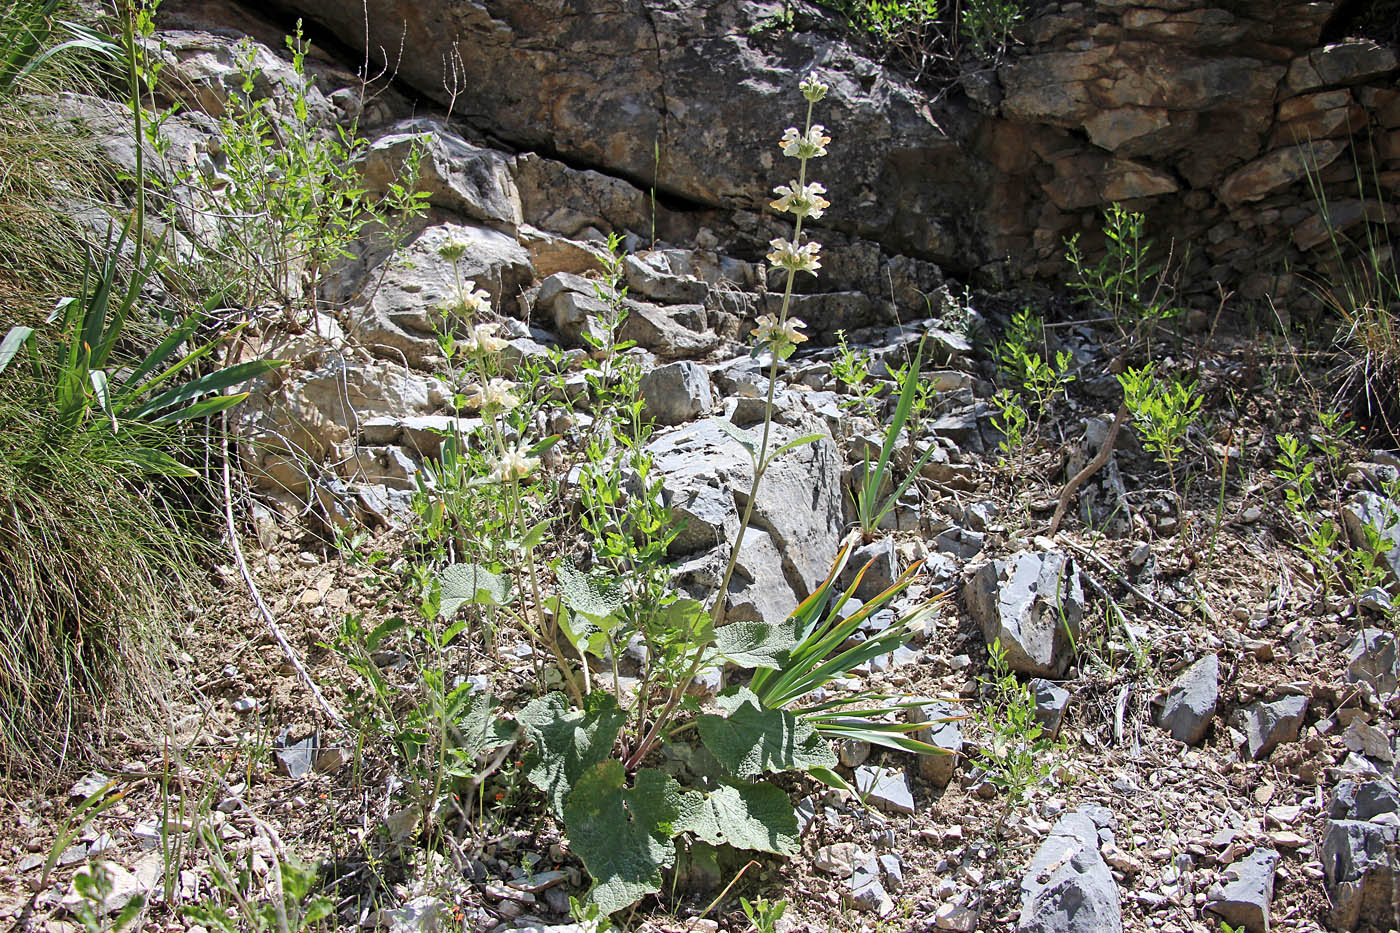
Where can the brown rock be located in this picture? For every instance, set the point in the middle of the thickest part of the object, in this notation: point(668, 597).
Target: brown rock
point(1277, 169)
point(1087, 179)
point(1343, 63)
point(1317, 116)
point(1111, 129)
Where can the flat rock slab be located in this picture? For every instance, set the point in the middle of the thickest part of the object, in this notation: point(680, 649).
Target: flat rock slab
point(886, 788)
point(1243, 900)
point(1068, 887)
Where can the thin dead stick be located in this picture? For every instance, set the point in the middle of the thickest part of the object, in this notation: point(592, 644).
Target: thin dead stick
point(1092, 467)
point(1085, 552)
point(253, 587)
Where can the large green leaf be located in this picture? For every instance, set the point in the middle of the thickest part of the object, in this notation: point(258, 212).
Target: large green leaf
point(470, 583)
point(756, 644)
point(746, 816)
point(752, 740)
point(568, 741)
point(623, 835)
point(595, 599)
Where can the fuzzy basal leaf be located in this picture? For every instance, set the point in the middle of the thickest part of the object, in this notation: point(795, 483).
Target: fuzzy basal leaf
point(752, 740)
point(464, 584)
point(568, 741)
point(746, 816)
point(756, 644)
point(623, 835)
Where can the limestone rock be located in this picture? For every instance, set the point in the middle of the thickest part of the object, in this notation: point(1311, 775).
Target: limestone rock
point(676, 393)
point(885, 788)
point(1373, 659)
point(1051, 701)
point(881, 573)
point(1278, 169)
point(943, 733)
point(1382, 517)
point(469, 181)
point(1359, 854)
point(1266, 725)
point(1244, 899)
point(707, 475)
point(1032, 602)
point(1351, 62)
point(395, 314)
point(1192, 700)
point(1068, 887)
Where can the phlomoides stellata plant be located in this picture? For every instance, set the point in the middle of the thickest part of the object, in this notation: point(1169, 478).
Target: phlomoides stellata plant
point(589, 748)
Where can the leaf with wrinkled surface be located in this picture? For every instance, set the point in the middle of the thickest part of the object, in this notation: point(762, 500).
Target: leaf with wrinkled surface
point(568, 741)
point(623, 835)
point(746, 816)
point(756, 644)
point(473, 584)
point(752, 740)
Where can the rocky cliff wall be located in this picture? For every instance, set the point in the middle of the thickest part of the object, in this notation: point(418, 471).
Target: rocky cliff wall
point(1205, 116)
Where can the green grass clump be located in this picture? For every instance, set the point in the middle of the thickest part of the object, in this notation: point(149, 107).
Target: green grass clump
point(94, 561)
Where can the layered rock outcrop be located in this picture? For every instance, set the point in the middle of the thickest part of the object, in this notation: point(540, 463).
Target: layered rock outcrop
point(1206, 116)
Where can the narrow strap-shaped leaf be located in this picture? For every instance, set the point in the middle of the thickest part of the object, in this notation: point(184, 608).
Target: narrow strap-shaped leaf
point(164, 349)
point(98, 378)
point(211, 382)
point(14, 339)
point(201, 409)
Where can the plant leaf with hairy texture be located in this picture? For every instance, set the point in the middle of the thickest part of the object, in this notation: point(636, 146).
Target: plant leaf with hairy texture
point(568, 741)
point(623, 835)
point(756, 644)
point(596, 600)
point(746, 816)
point(745, 439)
point(752, 740)
point(473, 584)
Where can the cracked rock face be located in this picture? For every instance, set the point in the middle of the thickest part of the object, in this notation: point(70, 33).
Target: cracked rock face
point(797, 520)
point(1068, 887)
point(1032, 603)
point(1359, 853)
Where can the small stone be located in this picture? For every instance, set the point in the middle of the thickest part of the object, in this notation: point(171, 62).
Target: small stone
point(943, 733)
point(1192, 700)
point(1051, 701)
point(886, 788)
point(1368, 740)
point(839, 859)
point(1245, 900)
point(1031, 603)
point(1268, 725)
point(244, 705)
point(1373, 659)
point(873, 898)
point(296, 759)
point(1068, 887)
point(955, 917)
point(853, 752)
point(892, 868)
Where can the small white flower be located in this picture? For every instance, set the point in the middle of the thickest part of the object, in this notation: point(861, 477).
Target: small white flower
point(785, 333)
point(812, 89)
point(481, 339)
point(811, 146)
point(514, 464)
point(497, 397)
point(794, 258)
point(802, 200)
point(475, 300)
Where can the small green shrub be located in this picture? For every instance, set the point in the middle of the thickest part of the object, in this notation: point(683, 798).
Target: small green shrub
point(987, 24)
point(1126, 283)
point(1163, 411)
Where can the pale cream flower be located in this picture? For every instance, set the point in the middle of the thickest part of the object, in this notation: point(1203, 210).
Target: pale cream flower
point(497, 397)
point(481, 339)
point(802, 200)
point(790, 256)
point(475, 300)
point(812, 89)
point(771, 331)
point(811, 146)
point(514, 464)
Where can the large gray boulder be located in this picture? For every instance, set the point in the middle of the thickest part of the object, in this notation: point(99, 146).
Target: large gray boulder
point(1032, 602)
point(393, 307)
point(1068, 887)
point(707, 474)
point(676, 393)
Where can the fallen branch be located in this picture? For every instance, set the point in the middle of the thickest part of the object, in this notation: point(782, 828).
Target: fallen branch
point(266, 613)
point(1127, 584)
point(1092, 467)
